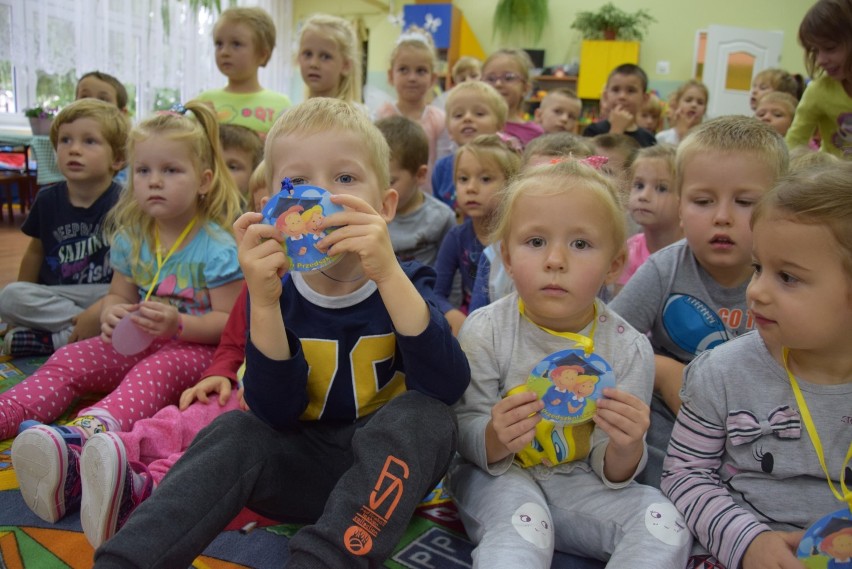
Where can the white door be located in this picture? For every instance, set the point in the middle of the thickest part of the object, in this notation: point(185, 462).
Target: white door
point(733, 56)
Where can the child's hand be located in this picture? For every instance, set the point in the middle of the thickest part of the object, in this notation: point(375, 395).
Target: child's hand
point(773, 550)
point(212, 384)
point(684, 120)
point(261, 257)
point(87, 324)
point(624, 418)
point(620, 119)
point(158, 319)
point(363, 231)
point(241, 393)
point(512, 425)
point(111, 316)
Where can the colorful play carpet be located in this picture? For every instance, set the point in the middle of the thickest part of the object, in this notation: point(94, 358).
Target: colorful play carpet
point(434, 540)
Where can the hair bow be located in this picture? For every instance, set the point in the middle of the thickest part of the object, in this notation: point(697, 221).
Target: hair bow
point(594, 161)
point(744, 426)
point(178, 108)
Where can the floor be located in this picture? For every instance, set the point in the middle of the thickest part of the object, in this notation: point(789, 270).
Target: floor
point(13, 243)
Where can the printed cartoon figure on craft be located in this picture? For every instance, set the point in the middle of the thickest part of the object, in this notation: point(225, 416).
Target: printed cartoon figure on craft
point(533, 523)
point(298, 212)
point(828, 542)
point(569, 382)
point(665, 523)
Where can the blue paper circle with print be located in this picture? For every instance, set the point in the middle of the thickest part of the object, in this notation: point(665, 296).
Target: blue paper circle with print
point(569, 383)
point(828, 542)
point(296, 211)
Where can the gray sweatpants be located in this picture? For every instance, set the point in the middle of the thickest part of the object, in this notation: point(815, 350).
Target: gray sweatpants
point(51, 308)
point(518, 518)
point(359, 482)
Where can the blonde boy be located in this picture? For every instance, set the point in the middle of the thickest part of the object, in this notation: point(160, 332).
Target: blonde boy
point(467, 68)
point(690, 295)
point(473, 108)
point(777, 109)
point(344, 369)
point(244, 38)
point(65, 270)
point(559, 111)
point(773, 79)
point(421, 221)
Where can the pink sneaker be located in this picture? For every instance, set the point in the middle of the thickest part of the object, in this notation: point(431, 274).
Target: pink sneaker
point(48, 472)
point(112, 487)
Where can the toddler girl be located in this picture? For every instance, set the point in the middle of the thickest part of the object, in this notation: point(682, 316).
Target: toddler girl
point(244, 38)
point(171, 238)
point(330, 59)
point(525, 486)
point(762, 439)
point(687, 107)
point(508, 71)
point(482, 168)
point(827, 102)
point(773, 79)
point(412, 74)
point(653, 204)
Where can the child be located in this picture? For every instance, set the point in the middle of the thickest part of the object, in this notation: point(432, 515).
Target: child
point(242, 150)
point(747, 490)
point(559, 111)
point(803, 157)
point(769, 80)
point(625, 93)
point(412, 74)
point(467, 68)
point(421, 221)
point(102, 86)
point(688, 105)
point(827, 102)
point(491, 281)
point(653, 205)
point(170, 237)
point(318, 449)
point(690, 296)
point(619, 150)
point(483, 167)
point(120, 470)
point(525, 486)
point(65, 270)
point(508, 71)
point(651, 114)
point(330, 59)
point(777, 109)
point(473, 108)
point(244, 39)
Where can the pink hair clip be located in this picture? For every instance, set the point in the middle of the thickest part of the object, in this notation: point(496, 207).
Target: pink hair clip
point(594, 161)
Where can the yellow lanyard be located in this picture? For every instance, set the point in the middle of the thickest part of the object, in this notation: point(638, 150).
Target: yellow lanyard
point(585, 342)
point(160, 260)
point(846, 496)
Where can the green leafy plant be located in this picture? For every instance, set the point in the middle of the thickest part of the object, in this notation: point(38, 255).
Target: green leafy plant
point(611, 22)
point(525, 17)
point(41, 112)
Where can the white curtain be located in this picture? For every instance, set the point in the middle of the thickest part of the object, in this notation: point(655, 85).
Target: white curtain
point(129, 39)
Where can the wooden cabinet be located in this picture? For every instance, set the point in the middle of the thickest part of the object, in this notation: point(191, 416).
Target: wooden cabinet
point(597, 59)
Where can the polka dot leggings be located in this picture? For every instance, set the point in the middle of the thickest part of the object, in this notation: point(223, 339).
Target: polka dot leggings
point(138, 385)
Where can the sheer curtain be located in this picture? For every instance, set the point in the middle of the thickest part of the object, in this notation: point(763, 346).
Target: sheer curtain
point(129, 39)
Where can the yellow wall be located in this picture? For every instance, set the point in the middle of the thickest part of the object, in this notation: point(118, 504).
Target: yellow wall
point(671, 39)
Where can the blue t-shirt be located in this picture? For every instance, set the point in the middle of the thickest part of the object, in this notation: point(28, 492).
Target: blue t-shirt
point(443, 184)
point(208, 261)
point(75, 251)
point(460, 252)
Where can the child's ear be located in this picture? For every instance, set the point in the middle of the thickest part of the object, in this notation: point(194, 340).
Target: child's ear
point(389, 203)
point(390, 76)
point(420, 174)
point(537, 115)
point(347, 67)
point(616, 266)
point(206, 179)
point(506, 258)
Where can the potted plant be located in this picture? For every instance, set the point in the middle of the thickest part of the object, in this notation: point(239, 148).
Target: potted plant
point(611, 22)
point(40, 118)
point(527, 17)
